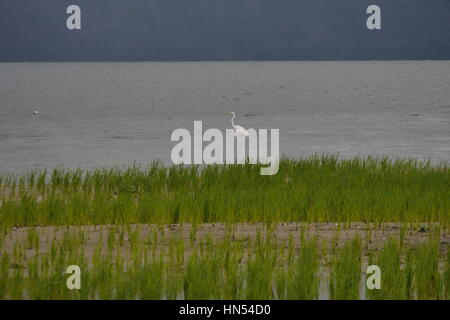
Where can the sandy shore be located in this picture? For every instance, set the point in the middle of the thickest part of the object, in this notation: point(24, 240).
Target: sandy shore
point(373, 237)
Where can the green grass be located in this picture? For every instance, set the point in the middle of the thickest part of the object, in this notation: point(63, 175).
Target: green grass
point(123, 264)
point(413, 273)
point(317, 189)
point(393, 277)
point(346, 271)
point(304, 283)
point(264, 267)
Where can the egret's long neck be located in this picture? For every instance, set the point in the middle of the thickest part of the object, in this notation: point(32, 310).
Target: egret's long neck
point(232, 121)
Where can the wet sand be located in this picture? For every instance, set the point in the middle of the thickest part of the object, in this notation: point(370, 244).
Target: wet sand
point(331, 234)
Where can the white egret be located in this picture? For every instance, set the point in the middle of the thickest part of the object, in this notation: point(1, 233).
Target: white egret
point(238, 130)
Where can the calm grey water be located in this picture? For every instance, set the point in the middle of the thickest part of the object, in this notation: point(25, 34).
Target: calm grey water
point(102, 114)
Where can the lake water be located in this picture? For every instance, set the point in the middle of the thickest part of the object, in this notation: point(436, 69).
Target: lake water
point(103, 114)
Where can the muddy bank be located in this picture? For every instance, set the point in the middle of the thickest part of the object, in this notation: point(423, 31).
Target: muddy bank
point(372, 236)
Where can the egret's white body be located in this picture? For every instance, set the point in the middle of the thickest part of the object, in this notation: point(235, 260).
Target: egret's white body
point(238, 130)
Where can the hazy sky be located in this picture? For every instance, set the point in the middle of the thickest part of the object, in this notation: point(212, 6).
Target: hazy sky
point(37, 30)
